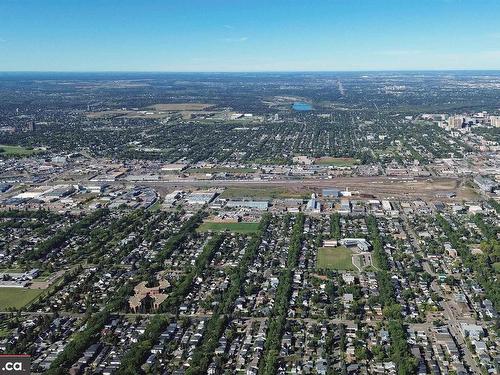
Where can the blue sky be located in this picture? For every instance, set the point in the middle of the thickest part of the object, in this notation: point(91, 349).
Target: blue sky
point(258, 35)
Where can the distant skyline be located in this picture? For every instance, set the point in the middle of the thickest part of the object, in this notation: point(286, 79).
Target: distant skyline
point(249, 36)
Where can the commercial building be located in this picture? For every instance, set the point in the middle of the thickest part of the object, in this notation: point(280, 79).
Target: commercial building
point(361, 243)
point(495, 121)
point(259, 205)
point(485, 184)
point(386, 205)
point(455, 122)
point(174, 167)
point(334, 193)
point(201, 197)
point(345, 206)
point(4, 187)
point(313, 205)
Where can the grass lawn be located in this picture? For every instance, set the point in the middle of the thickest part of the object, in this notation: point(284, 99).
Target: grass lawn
point(263, 193)
point(369, 269)
point(232, 227)
point(155, 206)
point(44, 276)
point(496, 267)
point(12, 270)
point(17, 297)
point(337, 162)
point(16, 151)
point(4, 332)
point(335, 258)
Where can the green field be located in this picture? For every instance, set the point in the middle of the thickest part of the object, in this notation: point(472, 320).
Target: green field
point(17, 297)
point(16, 151)
point(337, 162)
point(335, 258)
point(263, 193)
point(11, 270)
point(232, 227)
point(155, 206)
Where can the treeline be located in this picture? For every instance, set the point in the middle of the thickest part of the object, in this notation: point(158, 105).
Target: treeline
point(63, 235)
point(400, 353)
point(68, 277)
point(217, 324)
point(38, 222)
point(136, 356)
point(489, 231)
point(81, 340)
point(102, 240)
point(399, 350)
point(176, 297)
point(277, 320)
point(335, 226)
point(28, 214)
point(495, 205)
point(177, 239)
point(379, 254)
point(482, 265)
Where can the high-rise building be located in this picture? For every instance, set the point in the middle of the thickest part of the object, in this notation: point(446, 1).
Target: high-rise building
point(495, 121)
point(455, 121)
point(31, 125)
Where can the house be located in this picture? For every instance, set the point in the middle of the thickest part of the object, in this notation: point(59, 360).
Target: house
point(347, 299)
point(330, 243)
point(348, 278)
point(473, 331)
point(212, 369)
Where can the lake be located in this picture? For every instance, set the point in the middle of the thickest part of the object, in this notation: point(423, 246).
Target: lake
point(301, 106)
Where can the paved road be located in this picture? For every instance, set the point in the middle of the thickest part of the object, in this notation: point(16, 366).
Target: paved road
point(454, 326)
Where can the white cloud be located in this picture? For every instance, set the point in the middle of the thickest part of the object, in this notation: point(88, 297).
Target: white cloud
point(235, 40)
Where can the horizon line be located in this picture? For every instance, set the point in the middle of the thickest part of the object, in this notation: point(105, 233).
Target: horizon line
point(253, 71)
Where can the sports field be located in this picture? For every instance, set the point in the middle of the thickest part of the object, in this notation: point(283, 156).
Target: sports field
point(17, 297)
point(15, 151)
point(337, 162)
point(335, 258)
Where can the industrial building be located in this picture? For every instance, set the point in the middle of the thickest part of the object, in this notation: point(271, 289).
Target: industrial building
point(334, 193)
point(259, 205)
point(485, 184)
point(201, 197)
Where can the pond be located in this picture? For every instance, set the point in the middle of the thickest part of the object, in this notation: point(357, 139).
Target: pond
point(301, 106)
